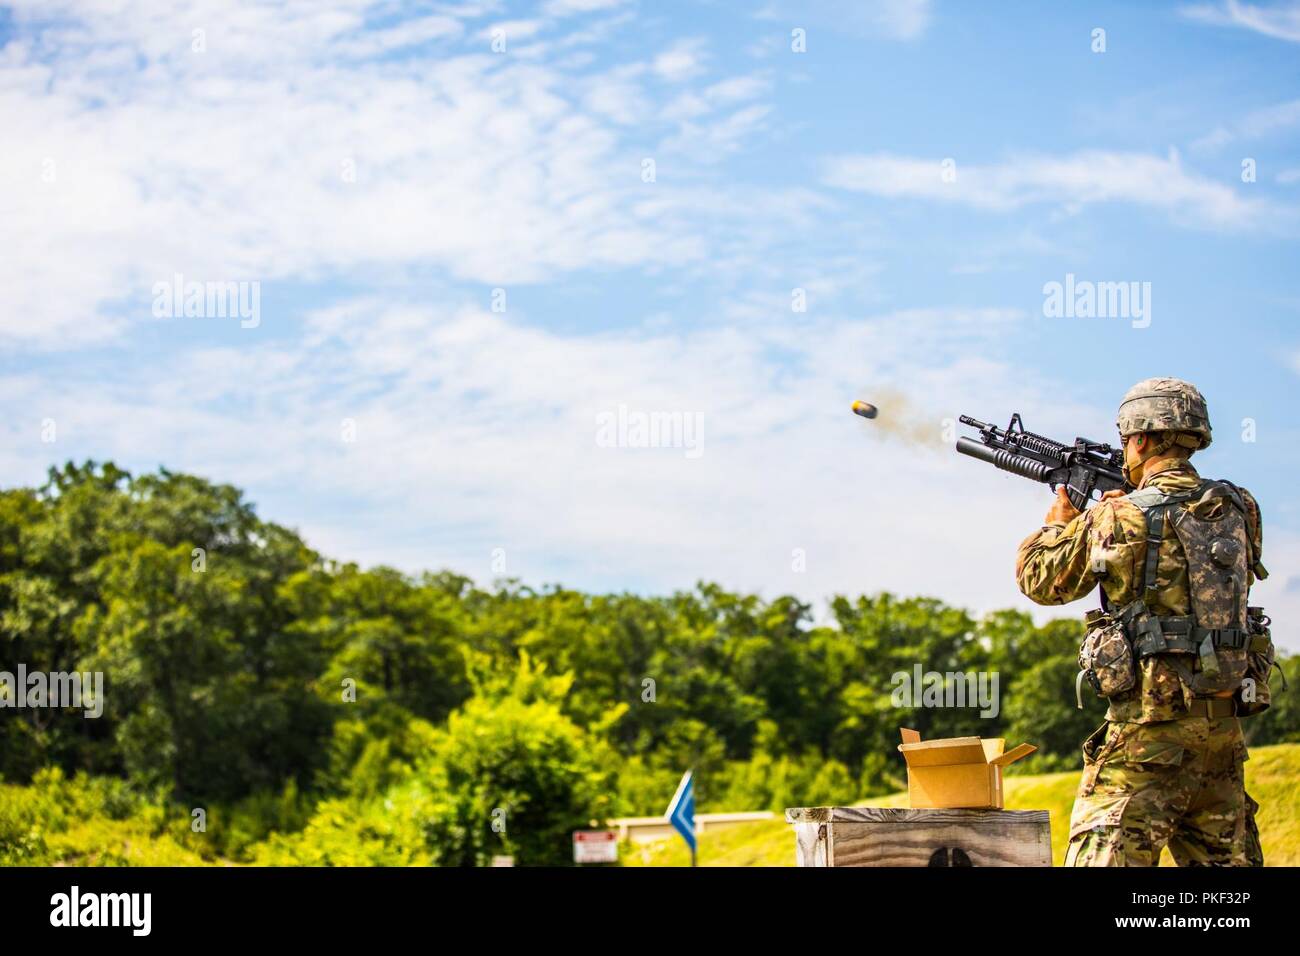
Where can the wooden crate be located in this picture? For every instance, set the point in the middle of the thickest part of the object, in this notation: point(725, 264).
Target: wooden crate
point(875, 836)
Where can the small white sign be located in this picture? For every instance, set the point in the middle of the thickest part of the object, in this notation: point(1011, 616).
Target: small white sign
point(595, 846)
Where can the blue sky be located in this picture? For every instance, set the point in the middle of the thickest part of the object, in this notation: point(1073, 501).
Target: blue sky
point(915, 175)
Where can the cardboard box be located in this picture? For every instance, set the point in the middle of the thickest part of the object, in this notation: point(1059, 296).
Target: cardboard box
point(957, 772)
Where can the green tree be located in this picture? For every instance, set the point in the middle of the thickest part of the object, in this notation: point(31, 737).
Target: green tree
point(512, 775)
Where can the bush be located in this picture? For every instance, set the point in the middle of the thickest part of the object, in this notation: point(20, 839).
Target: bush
point(22, 842)
point(510, 774)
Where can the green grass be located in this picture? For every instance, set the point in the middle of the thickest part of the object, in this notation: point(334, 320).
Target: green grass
point(101, 842)
point(1272, 777)
point(74, 823)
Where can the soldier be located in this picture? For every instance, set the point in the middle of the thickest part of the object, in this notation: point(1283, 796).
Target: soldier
point(1166, 767)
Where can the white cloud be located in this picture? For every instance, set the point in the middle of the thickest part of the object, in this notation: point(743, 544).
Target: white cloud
point(1254, 125)
point(408, 34)
point(1219, 136)
point(683, 60)
point(618, 95)
point(1278, 20)
point(286, 150)
point(893, 19)
point(565, 8)
point(476, 431)
point(1280, 116)
point(735, 89)
point(483, 435)
point(903, 19)
point(714, 142)
point(1076, 180)
point(513, 30)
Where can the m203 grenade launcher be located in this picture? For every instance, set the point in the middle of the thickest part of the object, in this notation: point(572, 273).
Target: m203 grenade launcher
point(1087, 469)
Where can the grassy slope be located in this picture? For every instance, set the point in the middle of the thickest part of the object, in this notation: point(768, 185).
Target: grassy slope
point(1272, 777)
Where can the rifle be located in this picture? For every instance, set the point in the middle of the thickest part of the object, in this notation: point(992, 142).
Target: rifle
point(1087, 469)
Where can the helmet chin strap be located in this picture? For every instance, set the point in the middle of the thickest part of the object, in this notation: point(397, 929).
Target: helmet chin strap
point(1156, 449)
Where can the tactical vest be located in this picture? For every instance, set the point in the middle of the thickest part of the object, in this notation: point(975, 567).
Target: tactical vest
point(1223, 644)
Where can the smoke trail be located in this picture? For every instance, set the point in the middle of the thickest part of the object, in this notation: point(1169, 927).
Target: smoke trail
point(898, 418)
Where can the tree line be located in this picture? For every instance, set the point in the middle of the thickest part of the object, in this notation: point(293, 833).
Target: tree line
point(377, 716)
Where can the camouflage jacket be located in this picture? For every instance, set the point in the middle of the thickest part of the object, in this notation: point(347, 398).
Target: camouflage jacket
point(1106, 545)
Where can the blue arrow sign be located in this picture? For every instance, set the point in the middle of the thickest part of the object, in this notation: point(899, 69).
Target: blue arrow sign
point(681, 812)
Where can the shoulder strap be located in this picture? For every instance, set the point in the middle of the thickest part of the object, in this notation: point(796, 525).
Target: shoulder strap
point(1224, 490)
point(1155, 534)
point(1154, 503)
point(1234, 493)
point(1148, 498)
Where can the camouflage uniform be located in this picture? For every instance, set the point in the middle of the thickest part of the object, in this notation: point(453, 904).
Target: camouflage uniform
point(1153, 775)
point(1177, 783)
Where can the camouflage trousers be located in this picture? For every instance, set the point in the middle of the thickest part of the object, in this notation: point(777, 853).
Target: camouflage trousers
point(1175, 783)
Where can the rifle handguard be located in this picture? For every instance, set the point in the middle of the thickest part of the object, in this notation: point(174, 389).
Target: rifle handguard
point(1006, 460)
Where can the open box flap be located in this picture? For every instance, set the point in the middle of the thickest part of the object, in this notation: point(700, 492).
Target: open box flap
point(1014, 754)
point(993, 747)
point(940, 753)
point(910, 736)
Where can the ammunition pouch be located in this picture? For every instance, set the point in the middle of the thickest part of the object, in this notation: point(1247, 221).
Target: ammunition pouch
point(1106, 658)
point(1253, 696)
point(1114, 644)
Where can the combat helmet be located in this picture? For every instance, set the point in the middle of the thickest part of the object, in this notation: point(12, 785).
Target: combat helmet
point(1165, 405)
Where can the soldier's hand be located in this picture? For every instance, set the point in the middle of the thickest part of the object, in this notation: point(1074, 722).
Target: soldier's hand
point(1063, 510)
